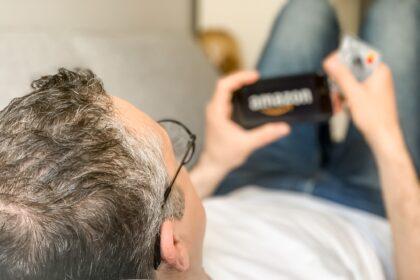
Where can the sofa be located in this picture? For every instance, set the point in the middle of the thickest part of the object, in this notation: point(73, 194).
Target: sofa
point(157, 66)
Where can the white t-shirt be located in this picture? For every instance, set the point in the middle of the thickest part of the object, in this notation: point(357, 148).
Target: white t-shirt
point(256, 233)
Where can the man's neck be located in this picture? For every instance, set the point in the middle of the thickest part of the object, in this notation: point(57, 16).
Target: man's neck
point(191, 274)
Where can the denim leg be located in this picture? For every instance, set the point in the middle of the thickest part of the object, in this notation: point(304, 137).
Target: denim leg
point(400, 46)
point(303, 33)
point(391, 26)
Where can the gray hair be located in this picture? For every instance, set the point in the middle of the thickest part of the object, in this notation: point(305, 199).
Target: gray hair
point(80, 196)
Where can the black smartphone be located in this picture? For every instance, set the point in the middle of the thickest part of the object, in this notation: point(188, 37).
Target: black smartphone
point(298, 98)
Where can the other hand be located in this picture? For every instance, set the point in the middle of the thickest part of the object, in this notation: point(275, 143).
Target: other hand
point(372, 103)
point(227, 145)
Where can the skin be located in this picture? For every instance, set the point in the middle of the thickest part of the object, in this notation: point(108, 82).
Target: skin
point(374, 111)
point(181, 240)
point(373, 108)
point(227, 145)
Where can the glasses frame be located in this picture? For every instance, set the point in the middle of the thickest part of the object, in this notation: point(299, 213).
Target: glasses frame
point(189, 153)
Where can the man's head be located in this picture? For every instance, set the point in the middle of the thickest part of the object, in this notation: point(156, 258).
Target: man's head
point(82, 180)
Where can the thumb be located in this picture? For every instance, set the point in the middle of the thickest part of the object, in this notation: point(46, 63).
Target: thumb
point(264, 135)
point(342, 75)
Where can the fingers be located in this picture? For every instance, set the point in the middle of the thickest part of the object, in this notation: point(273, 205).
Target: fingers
point(337, 102)
point(341, 74)
point(220, 105)
point(266, 134)
point(226, 86)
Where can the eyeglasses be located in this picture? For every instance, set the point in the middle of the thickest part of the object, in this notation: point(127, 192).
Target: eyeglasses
point(183, 143)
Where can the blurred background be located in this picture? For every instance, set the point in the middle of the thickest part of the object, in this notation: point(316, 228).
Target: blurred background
point(249, 21)
point(164, 56)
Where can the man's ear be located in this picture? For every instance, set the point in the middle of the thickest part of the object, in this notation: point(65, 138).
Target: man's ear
point(173, 251)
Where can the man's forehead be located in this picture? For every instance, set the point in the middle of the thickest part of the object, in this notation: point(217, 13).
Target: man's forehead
point(140, 123)
point(135, 119)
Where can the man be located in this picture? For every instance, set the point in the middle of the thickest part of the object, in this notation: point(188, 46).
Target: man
point(91, 189)
point(85, 178)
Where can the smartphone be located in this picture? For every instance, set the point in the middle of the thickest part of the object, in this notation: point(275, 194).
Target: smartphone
point(291, 99)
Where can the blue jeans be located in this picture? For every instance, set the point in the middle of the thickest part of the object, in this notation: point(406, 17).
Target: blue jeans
point(304, 33)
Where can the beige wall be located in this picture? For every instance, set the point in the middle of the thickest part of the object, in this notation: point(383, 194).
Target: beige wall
point(250, 20)
point(94, 15)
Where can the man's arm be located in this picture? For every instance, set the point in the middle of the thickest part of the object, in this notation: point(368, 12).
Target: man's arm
point(227, 145)
point(402, 198)
point(373, 108)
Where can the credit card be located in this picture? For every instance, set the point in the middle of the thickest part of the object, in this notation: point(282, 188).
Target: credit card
point(361, 58)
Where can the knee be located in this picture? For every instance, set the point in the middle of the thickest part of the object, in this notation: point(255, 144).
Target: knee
point(313, 14)
point(303, 33)
point(311, 6)
point(396, 17)
point(312, 20)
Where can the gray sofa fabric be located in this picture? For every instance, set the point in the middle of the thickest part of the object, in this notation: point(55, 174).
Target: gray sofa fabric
point(104, 16)
point(164, 75)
